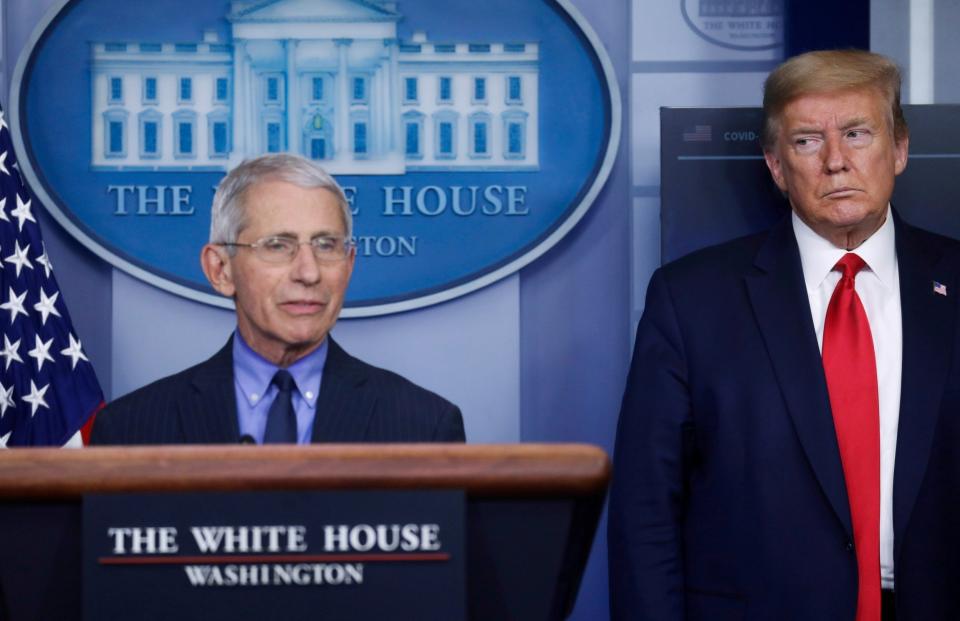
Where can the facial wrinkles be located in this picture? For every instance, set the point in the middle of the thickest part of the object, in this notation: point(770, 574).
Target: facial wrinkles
point(306, 272)
point(288, 308)
point(834, 163)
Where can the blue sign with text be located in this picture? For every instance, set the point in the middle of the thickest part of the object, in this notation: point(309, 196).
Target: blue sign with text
point(469, 137)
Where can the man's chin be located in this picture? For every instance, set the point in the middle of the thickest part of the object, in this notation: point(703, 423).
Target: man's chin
point(296, 347)
point(307, 339)
point(850, 214)
point(858, 221)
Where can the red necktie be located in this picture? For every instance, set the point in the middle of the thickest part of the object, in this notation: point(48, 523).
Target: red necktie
point(850, 366)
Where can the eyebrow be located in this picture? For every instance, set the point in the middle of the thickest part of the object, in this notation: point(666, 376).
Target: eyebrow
point(860, 120)
point(813, 129)
point(810, 129)
point(292, 235)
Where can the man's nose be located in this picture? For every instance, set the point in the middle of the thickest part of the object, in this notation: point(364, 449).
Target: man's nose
point(305, 267)
point(834, 154)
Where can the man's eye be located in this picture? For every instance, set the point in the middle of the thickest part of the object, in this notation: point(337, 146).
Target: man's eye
point(806, 144)
point(859, 136)
point(325, 244)
point(277, 245)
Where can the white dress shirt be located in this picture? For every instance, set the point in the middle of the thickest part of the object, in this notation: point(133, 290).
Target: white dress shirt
point(878, 286)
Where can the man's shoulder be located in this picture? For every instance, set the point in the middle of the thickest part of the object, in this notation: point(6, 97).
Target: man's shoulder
point(730, 258)
point(923, 252)
point(388, 383)
point(162, 389)
point(929, 241)
point(124, 419)
point(402, 411)
point(221, 363)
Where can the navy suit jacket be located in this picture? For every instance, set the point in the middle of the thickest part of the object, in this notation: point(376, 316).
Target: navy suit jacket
point(728, 498)
point(357, 403)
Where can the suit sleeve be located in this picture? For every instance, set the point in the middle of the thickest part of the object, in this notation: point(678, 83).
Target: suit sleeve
point(104, 431)
point(647, 494)
point(450, 426)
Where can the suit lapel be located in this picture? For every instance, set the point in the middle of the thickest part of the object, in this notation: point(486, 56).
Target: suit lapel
point(346, 399)
point(782, 311)
point(209, 414)
point(927, 336)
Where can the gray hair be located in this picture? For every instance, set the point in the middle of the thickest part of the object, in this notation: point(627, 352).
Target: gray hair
point(228, 215)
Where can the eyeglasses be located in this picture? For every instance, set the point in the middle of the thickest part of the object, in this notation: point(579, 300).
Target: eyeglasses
point(278, 249)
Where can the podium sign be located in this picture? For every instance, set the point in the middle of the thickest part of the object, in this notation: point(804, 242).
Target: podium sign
point(270, 555)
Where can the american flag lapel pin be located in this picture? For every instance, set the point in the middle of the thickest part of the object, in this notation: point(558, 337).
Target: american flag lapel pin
point(939, 288)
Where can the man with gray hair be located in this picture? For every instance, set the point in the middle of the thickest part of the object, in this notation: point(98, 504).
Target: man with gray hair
point(281, 247)
point(788, 440)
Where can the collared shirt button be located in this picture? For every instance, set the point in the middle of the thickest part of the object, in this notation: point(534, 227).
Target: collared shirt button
point(254, 397)
point(849, 546)
point(308, 394)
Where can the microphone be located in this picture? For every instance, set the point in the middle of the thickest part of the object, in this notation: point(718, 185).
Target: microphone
point(247, 439)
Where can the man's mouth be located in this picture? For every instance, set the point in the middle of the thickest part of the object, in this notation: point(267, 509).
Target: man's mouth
point(303, 307)
point(843, 192)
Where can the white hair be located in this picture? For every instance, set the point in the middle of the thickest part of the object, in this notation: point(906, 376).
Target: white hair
point(228, 214)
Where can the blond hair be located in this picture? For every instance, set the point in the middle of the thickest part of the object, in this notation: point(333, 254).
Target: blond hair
point(830, 71)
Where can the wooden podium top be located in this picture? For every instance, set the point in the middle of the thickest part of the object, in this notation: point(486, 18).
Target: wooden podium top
point(527, 470)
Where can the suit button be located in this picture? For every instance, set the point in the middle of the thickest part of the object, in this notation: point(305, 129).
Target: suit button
point(849, 546)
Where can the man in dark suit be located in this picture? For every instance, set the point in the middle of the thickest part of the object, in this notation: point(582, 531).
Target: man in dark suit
point(281, 246)
point(787, 442)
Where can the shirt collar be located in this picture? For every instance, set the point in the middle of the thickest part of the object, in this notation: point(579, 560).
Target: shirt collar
point(254, 373)
point(818, 256)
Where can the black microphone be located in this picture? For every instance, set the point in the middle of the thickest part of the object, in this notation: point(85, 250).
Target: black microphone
point(247, 439)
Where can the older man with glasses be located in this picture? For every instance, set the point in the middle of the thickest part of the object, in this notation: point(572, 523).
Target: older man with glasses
point(281, 247)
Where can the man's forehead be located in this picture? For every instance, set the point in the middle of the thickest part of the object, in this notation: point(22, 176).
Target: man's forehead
point(837, 107)
point(273, 185)
point(285, 209)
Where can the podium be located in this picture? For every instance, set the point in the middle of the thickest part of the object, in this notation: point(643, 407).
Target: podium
point(531, 510)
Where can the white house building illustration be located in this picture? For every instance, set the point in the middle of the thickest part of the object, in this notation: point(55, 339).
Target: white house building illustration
point(324, 78)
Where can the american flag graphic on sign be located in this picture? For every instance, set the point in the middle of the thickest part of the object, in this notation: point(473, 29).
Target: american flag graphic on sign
point(698, 133)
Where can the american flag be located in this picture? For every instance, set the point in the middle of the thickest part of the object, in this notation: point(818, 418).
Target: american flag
point(48, 389)
point(698, 133)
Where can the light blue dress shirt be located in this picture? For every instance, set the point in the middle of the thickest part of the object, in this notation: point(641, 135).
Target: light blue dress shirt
point(253, 375)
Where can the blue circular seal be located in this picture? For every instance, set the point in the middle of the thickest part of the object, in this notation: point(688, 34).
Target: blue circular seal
point(469, 139)
point(747, 25)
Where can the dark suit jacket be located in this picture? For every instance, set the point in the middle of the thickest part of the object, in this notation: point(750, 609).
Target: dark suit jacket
point(728, 498)
point(357, 403)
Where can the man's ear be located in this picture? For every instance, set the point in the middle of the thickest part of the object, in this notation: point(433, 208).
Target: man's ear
point(776, 169)
point(901, 152)
point(217, 268)
point(352, 261)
